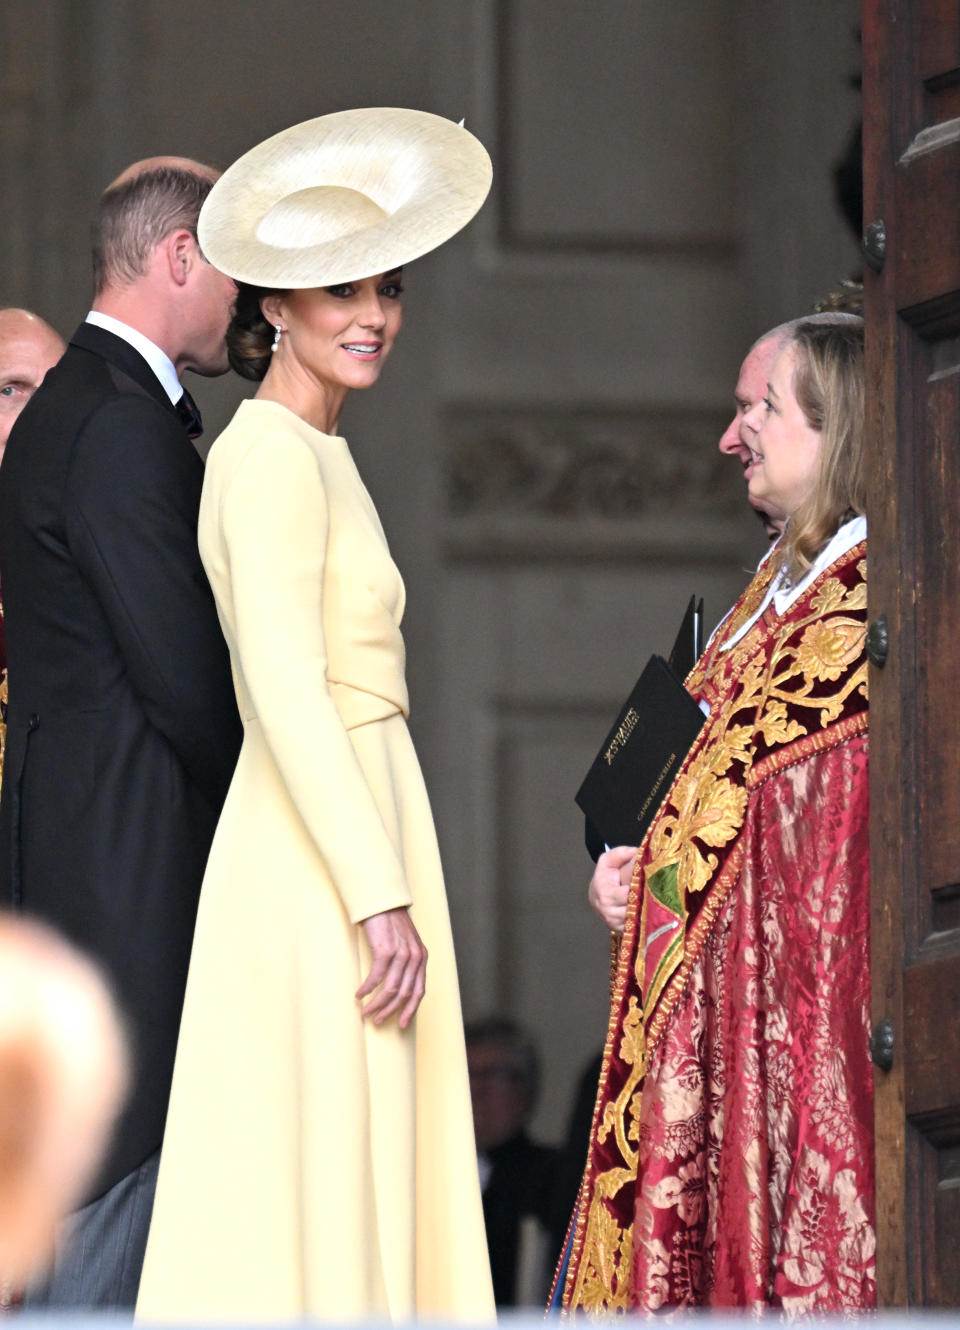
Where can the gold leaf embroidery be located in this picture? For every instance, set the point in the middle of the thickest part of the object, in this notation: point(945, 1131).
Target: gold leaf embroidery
point(829, 598)
point(719, 811)
point(606, 1122)
point(829, 647)
point(776, 728)
point(636, 1104)
point(633, 1044)
point(736, 744)
point(607, 1251)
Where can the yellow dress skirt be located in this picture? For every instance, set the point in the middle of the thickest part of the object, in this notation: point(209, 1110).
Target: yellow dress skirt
point(314, 1165)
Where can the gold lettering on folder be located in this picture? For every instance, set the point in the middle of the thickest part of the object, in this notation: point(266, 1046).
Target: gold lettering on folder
point(668, 766)
point(622, 735)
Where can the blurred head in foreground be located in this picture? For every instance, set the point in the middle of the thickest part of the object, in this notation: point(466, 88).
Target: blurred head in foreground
point(63, 1076)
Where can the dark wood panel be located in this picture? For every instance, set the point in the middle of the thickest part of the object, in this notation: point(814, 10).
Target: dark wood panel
point(947, 1223)
point(931, 1039)
point(933, 1173)
point(936, 38)
point(932, 434)
point(912, 183)
point(926, 240)
point(945, 910)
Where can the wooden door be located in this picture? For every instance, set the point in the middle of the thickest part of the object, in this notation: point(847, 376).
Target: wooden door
point(912, 186)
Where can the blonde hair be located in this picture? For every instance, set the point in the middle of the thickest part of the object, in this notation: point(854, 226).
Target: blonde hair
point(828, 383)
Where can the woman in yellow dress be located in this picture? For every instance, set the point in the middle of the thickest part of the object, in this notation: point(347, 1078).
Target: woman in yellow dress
point(319, 1159)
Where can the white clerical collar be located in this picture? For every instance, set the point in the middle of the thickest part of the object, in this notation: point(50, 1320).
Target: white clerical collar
point(784, 593)
point(158, 360)
point(843, 539)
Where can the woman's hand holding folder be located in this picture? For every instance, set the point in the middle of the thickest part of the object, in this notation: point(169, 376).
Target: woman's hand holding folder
point(610, 885)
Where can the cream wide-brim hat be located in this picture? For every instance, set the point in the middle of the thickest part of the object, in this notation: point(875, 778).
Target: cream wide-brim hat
point(343, 197)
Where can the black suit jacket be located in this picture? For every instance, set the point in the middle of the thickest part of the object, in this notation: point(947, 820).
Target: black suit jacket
point(122, 725)
point(520, 1184)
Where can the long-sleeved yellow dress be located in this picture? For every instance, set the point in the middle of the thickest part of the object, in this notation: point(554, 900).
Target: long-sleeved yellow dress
point(314, 1165)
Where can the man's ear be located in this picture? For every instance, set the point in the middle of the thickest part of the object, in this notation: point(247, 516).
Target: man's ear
point(181, 251)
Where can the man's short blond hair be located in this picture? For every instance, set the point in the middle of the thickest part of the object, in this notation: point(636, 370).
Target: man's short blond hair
point(137, 211)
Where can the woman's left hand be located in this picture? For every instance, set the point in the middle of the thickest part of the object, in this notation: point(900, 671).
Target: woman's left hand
point(398, 975)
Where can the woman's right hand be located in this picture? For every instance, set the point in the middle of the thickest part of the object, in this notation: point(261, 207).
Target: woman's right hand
point(610, 885)
point(398, 975)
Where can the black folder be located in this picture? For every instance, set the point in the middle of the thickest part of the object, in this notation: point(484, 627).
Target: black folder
point(644, 748)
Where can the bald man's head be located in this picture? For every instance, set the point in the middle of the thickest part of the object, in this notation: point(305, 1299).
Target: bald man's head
point(28, 348)
point(783, 332)
point(149, 165)
point(146, 202)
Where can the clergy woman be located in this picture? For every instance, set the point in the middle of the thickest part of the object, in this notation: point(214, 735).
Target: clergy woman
point(731, 1155)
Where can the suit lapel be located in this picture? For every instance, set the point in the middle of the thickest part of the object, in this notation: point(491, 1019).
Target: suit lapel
point(116, 351)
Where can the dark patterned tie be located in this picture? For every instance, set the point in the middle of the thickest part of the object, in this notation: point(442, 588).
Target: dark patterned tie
point(190, 418)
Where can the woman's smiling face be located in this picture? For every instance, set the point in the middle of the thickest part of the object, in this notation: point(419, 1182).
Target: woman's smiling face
point(340, 335)
point(785, 453)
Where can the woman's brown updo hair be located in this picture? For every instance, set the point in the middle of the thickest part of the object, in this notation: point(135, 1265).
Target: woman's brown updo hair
point(250, 335)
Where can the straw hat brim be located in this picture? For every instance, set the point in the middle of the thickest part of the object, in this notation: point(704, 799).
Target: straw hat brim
point(342, 197)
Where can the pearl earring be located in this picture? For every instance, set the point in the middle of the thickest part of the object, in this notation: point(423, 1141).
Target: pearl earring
point(276, 340)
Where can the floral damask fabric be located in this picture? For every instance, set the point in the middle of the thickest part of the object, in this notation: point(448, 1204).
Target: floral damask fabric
point(731, 1160)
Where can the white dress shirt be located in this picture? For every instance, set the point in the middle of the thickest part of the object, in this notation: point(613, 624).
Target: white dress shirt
point(158, 360)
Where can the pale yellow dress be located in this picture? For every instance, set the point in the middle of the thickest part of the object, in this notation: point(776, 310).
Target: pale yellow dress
point(314, 1165)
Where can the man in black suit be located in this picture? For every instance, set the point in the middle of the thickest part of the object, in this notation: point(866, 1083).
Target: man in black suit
point(516, 1173)
point(122, 726)
point(28, 348)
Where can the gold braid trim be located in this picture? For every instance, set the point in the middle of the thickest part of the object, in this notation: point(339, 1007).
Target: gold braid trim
point(803, 748)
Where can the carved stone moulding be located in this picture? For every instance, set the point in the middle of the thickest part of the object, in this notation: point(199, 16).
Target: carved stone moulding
point(527, 481)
